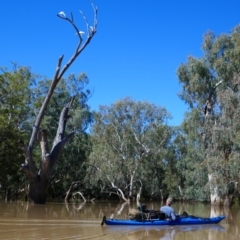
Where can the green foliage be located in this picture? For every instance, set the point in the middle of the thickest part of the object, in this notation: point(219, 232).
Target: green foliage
point(15, 99)
point(210, 86)
point(130, 144)
point(70, 170)
point(20, 100)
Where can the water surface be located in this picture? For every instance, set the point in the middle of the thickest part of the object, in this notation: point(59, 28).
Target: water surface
point(21, 220)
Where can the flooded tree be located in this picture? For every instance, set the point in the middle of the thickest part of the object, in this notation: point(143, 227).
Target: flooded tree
point(39, 177)
point(130, 140)
point(210, 86)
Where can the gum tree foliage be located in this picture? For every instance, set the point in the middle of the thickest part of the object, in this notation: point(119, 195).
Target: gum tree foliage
point(210, 87)
point(40, 174)
point(130, 141)
point(15, 110)
point(193, 171)
point(162, 175)
point(21, 100)
point(174, 170)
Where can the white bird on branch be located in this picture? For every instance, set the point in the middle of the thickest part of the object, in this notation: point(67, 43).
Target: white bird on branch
point(62, 14)
point(80, 32)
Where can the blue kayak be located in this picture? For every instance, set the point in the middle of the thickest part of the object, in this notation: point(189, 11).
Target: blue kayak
point(181, 221)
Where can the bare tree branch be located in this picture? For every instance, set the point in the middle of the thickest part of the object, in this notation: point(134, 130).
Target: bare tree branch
point(74, 194)
point(62, 123)
point(67, 193)
point(59, 73)
point(146, 149)
point(44, 143)
point(27, 167)
point(118, 189)
point(209, 102)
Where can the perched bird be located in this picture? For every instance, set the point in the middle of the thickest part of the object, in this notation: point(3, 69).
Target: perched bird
point(80, 32)
point(62, 14)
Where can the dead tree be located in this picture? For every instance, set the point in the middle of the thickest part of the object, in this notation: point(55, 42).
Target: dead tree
point(39, 179)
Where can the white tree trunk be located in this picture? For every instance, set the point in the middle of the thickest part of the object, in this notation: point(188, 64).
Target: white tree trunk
point(180, 191)
point(215, 199)
point(119, 191)
point(131, 185)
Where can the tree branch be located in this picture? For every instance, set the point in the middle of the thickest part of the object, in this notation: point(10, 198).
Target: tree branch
point(146, 149)
point(28, 166)
point(44, 144)
point(74, 194)
point(79, 48)
point(209, 102)
point(55, 152)
point(119, 190)
point(62, 123)
point(59, 73)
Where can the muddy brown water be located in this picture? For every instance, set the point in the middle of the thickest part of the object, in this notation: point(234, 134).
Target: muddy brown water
point(21, 220)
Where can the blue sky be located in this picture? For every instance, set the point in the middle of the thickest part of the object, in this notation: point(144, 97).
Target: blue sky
point(137, 49)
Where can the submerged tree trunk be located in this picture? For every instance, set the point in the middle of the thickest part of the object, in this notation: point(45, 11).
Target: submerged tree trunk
point(38, 190)
point(218, 200)
point(228, 201)
point(214, 196)
point(38, 182)
point(131, 186)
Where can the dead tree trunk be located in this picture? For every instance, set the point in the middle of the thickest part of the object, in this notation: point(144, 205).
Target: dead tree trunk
point(39, 179)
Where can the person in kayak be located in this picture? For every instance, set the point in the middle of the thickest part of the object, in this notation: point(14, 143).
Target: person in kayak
point(168, 210)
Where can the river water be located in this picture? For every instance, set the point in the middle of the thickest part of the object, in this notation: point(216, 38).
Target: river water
point(21, 220)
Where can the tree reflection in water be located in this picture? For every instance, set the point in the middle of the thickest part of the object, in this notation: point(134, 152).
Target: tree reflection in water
point(82, 220)
point(162, 232)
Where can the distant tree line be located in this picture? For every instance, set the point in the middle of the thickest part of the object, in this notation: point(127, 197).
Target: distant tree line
point(128, 148)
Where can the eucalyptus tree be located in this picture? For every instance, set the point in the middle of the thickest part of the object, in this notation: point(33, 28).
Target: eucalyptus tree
point(193, 170)
point(39, 179)
point(15, 99)
point(174, 169)
point(210, 86)
point(128, 139)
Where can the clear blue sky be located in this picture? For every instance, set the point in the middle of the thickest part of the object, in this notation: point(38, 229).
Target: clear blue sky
point(136, 51)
